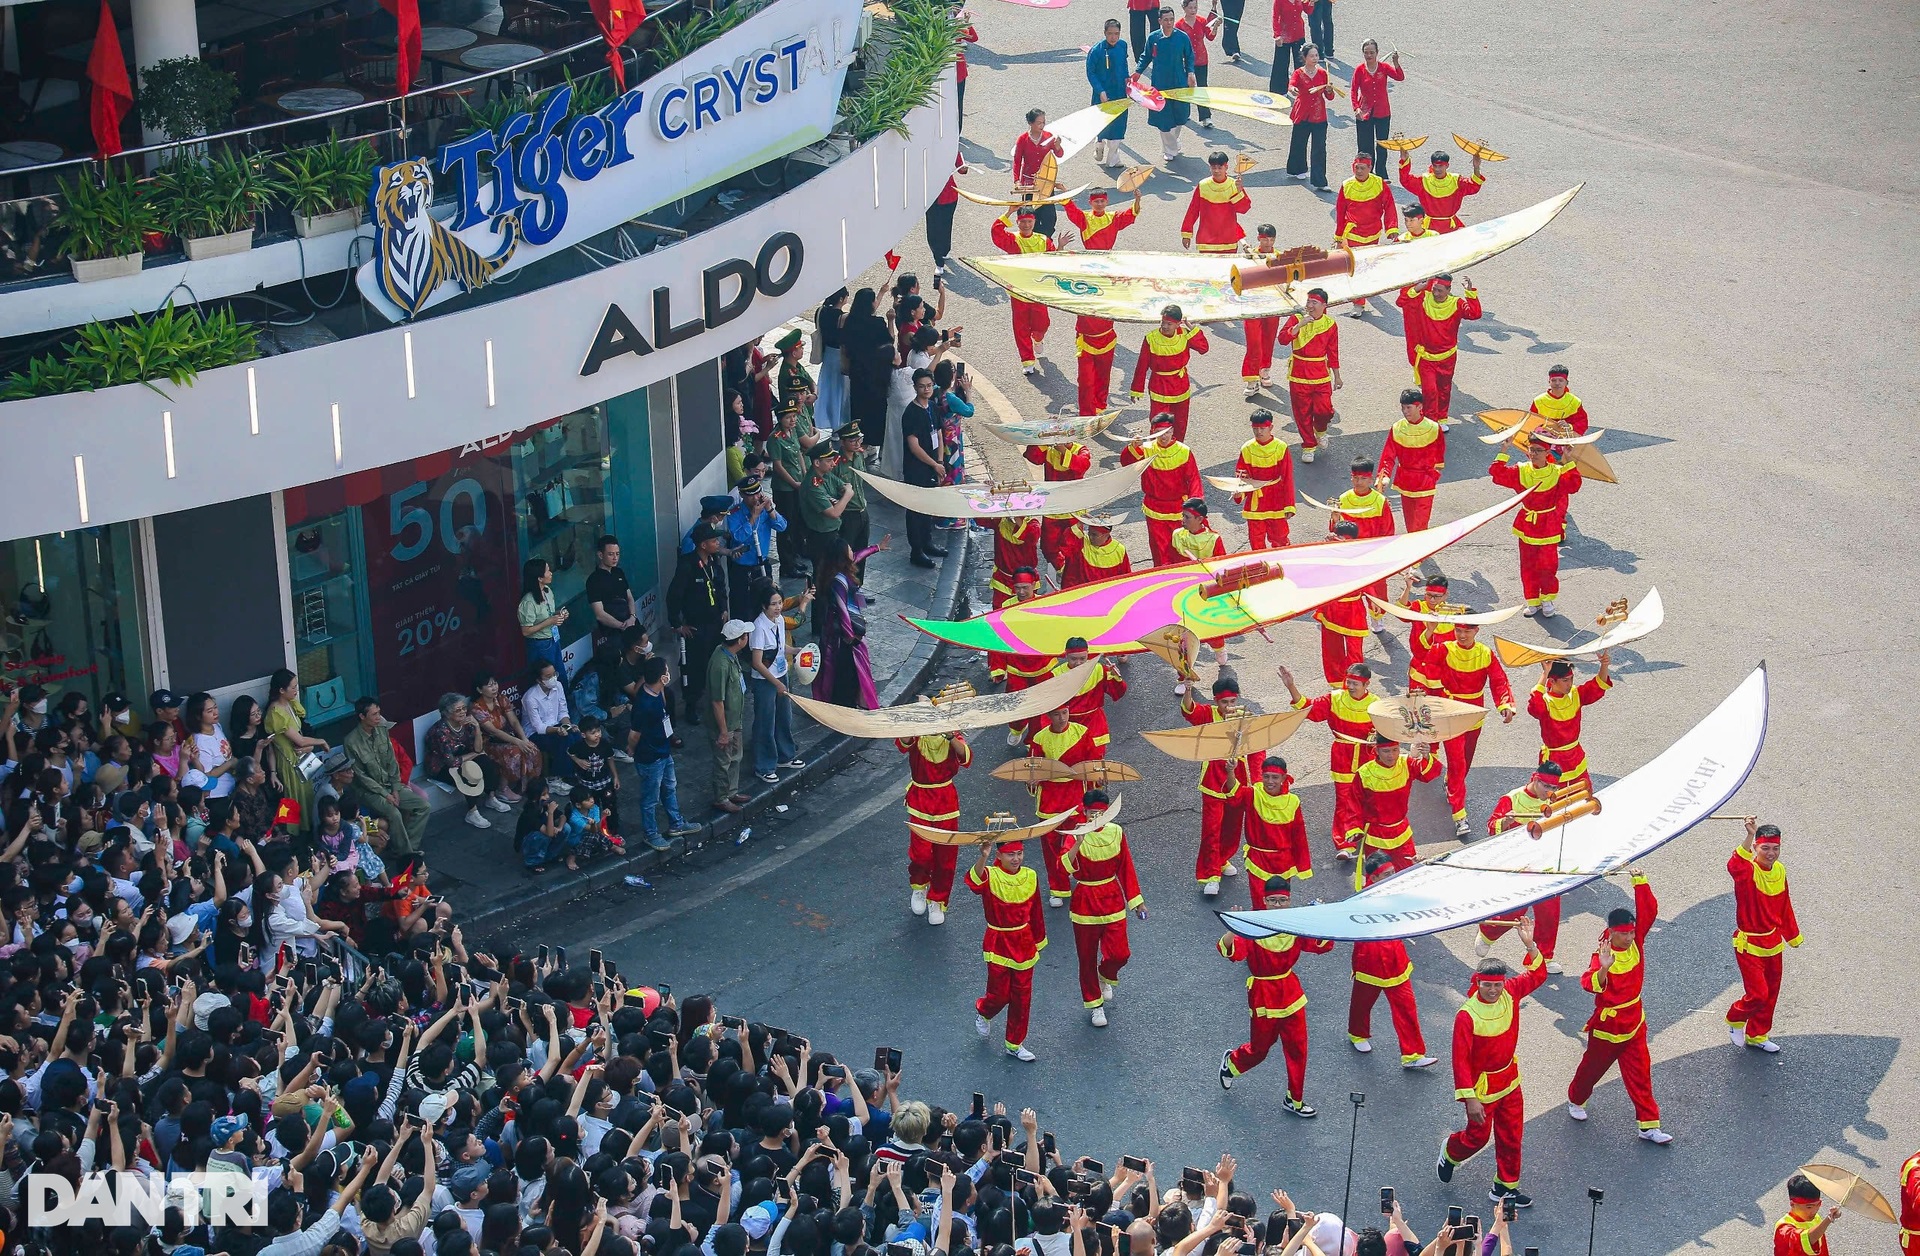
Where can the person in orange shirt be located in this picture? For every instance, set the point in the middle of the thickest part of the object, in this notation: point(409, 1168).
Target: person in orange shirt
point(1088, 707)
point(1016, 934)
point(1093, 336)
point(1212, 224)
point(1276, 832)
point(1486, 1072)
point(1223, 788)
point(1559, 404)
point(1383, 967)
point(1105, 889)
point(932, 802)
point(1763, 926)
point(1412, 459)
point(1014, 233)
point(1617, 1030)
point(1093, 552)
point(1066, 743)
point(1016, 545)
point(1458, 667)
point(1264, 461)
point(1058, 464)
point(1803, 1231)
point(1386, 788)
point(1276, 1007)
point(1440, 191)
point(1196, 540)
point(1549, 481)
point(1313, 370)
point(1160, 375)
point(1432, 316)
point(1345, 713)
point(1168, 481)
point(1363, 213)
point(1256, 364)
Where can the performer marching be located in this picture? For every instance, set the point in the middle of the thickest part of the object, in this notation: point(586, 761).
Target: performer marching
point(1617, 1030)
point(1433, 316)
point(1093, 552)
point(1763, 926)
point(1457, 666)
point(1525, 807)
point(1160, 375)
point(1557, 703)
point(1030, 149)
point(1910, 1206)
point(1170, 479)
point(1366, 508)
point(1422, 636)
point(1313, 370)
point(1441, 192)
point(1223, 789)
point(1412, 459)
point(1170, 54)
point(1065, 743)
point(1542, 522)
point(932, 801)
point(1016, 934)
point(1089, 706)
point(1559, 404)
point(1196, 539)
point(1343, 624)
point(1344, 712)
point(1017, 671)
point(1093, 336)
point(1363, 212)
point(1256, 364)
point(1016, 547)
point(1107, 66)
point(1264, 461)
point(1386, 785)
point(1803, 1231)
point(1212, 223)
point(1059, 464)
point(1383, 967)
point(1276, 1006)
point(1014, 233)
point(1105, 889)
point(1276, 832)
point(1486, 1072)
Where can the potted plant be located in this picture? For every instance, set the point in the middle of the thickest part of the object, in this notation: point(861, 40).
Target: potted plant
point(326, 185)
point(182, 97)
point(104, 222)
point(212, 204)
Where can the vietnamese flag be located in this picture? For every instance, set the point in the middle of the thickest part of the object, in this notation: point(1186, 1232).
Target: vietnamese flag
point(618, 19)
point(407, 14)
point(112, 90)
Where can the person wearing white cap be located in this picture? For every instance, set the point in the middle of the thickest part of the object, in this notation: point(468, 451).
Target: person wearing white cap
point(725, 712)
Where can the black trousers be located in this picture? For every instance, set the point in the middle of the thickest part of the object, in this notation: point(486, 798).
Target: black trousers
point(1305, 135)
point(1139, 22)
point(940, 230)
point(855, 529)
point(960, 103)
point(1320, 28)
point(822, 546)
point(740, 582)
point(1370, 132)
point(919, 532)
point(1286, 59)
point(787, 544)
point(1200, 80)
point(1230, 35)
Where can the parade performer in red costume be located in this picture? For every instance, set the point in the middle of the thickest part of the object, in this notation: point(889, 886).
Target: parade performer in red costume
point(1170, 479)
point(1384, 968)
point(1264, 461)
point(1486, 1072)
point(1160, 375)
point(1105, 889)
point(1016, 934)
point(1276, 1006)
point(1617, 1030)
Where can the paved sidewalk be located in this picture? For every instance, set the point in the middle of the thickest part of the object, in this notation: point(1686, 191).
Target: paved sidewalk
point(480, 874)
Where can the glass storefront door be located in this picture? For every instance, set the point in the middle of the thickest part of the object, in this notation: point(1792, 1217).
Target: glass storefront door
point(70, 614)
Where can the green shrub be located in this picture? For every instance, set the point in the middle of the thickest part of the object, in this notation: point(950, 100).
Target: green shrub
point(174, 345)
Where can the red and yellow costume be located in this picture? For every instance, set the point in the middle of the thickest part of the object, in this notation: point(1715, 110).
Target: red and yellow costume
point(1439, 195)
point(1072, 744)
point(1212, 224)
point(1030, 320)
point(1016, 672)
point(1058, 463)
point(1192, 547)
point(1105, 889)
point(1275, 1003)
point(1464, 673)
point(1793, 1237)
point(1412, 459)
point(1261, 334)
point(1560, 724)
point(1385, 968)
point(1763, 926)
point(1093, 336)
point(1433, 341)
point(1370, 513)
point(1566, 408)
point(1161, 373)
point(1268, 508)
point(1016, 934)
point(1542, 522)
point(1276, 839)
point(1343, 635)
point(1910, 1206)
point(1421, 638)
point(1363, 212)
point(1016, 544)
point(932, 801)
point(1347, 719)
point(1089, 706)
point(1384, 793)
point(1223, 800)
point(1088, 562)
point(1617, 1030)
point(1486, 1066)
point(1315, 345)
point(1170, 478)
point(1518, 809)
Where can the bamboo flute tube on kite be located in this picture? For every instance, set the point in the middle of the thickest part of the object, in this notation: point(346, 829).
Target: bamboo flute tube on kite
point(1283, 270)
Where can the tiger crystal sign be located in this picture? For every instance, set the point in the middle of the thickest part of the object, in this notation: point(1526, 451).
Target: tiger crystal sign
point(545, 181)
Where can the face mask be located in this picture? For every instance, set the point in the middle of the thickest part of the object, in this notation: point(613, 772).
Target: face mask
point(245, 922)
point(73, 944)
point(550, 684)
point(40, 707)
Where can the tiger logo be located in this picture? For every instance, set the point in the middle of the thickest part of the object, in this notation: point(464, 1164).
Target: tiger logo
point(415, 254)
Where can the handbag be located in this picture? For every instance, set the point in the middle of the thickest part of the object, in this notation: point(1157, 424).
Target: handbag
point(309, 766)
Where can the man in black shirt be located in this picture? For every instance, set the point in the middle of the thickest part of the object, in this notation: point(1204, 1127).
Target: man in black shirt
point(697, 608)
point(920, 458)
point(607, 590)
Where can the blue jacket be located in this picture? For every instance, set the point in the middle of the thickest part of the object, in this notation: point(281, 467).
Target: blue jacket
point(756, 535)
point(1172, 58)
point(1107, 70)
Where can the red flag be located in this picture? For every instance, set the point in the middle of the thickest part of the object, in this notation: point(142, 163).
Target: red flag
point(112, 91)
point(618, 19)
point(893, 260)
point(407, 14)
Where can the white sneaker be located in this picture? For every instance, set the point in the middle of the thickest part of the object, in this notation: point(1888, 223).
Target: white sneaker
point(1108, 990)
point(1553, 966)
point(1253, 393)
point(1362, 1045)
point(1211, 889)
point(1021, 1054)
point(1546, 606)
point(1462, 829)
point(478, 821)
point(1768, 1045)
point(981, 1025)
point(1577, 1112)
point(917, 902)
point(1657, 1136)
point(1481, 946)
point(1055, 900)
point(496, 803)
point(1228, 870)
point(1446, 424)
point(936, 915)
point(1029, 368)
point(1425, 1061)
point(1306, 455)
point(1266, 379)
point(621, 756)
point(1736, 1035)
point(1015, 737)
point(1099, 1018)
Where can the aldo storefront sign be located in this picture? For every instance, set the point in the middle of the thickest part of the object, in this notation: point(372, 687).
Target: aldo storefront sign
point(545, 181)
point(727, 289)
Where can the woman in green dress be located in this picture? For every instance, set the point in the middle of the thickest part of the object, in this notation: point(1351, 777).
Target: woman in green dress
point(284, 717)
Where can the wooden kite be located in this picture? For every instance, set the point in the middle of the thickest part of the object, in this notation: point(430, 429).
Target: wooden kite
point(1519, 426)
point(1627, 626)
point(1411, 616)
point(1424, 717)
point(1010, 498)
point(1850, 1192)
point(927, 717)
point(1035, 770)
point(991, 834)
point(1059, 429)
point(1229, 738)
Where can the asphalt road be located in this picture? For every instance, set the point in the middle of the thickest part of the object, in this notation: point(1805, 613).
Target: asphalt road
point(1733, 292)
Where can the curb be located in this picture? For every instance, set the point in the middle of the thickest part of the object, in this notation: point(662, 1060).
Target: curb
point(829, 756)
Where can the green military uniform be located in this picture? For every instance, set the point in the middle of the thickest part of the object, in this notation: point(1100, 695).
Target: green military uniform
point(726, 685)
point(855, 526)
point(786, 452)
point(823, 530)
point(795, 379)
point(376, 786)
